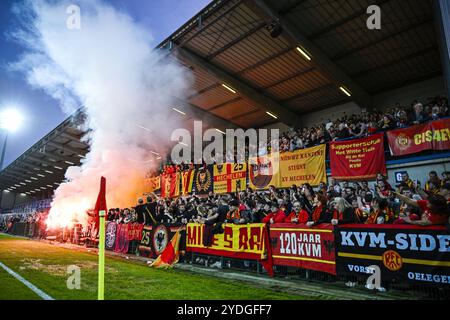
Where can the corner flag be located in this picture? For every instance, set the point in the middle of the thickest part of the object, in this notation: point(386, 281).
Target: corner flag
point(100, 213)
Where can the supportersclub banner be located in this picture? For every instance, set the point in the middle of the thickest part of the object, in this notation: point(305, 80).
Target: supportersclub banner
point(433, 135)
point(420, 255)
point(237, 241)
point(155, 238)
point(229, 177)
point(302, 247)
point(285, 169)
point(358, 159)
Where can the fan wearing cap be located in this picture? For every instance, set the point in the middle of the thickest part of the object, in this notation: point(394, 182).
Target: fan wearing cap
point(276, 215)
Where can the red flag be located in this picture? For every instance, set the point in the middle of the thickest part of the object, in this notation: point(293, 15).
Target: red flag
point(268, 262)
point(100, 205)
point(170, 254)
point(359, 159)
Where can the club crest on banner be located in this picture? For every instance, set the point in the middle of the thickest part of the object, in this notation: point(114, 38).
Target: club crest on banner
point(160, 239)
point(111, 230)
point(261, 174)
point(392, 260)
point(403, 141)
point(203, 181)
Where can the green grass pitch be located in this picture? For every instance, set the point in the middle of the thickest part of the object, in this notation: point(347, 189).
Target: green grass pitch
point(45, 266)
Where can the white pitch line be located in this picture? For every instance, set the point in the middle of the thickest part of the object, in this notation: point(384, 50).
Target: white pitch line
point(31, 286)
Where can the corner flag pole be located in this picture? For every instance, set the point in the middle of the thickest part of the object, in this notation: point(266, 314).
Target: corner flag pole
point(100, 210)
point(101, 257)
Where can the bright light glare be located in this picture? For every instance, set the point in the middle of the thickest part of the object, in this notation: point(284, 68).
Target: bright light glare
point(10, 119)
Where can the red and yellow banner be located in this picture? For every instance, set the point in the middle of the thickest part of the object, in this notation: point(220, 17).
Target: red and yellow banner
point(428, 136)
point(303, 166)
point(264, 171)
point(170, 185)
point(229, 177)
point(135, 231)
point(152, 184)
point(303, 247)
point(187, 181)
point(358, 159)
point(285, 169)
point(237, 241)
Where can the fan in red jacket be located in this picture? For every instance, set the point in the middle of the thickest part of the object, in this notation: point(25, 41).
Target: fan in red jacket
point(298, 214)
point(276, 216)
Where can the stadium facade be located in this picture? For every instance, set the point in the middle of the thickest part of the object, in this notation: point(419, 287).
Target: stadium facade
point(279, 64)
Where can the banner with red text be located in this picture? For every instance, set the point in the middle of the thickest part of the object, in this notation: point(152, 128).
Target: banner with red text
point(303, 166)
point(302, 247)
point(152, 184)
point(428, 136)
point(358, 159)
point(285, 169)
point(237, 241)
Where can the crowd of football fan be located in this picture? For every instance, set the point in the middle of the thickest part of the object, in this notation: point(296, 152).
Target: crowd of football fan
point(364, 124)
point(345, 202)
point(346, 127)
point(336, 203)
point(36, 217)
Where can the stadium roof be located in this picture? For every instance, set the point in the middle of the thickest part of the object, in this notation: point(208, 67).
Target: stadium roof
point(244, 77)
point(228, 43)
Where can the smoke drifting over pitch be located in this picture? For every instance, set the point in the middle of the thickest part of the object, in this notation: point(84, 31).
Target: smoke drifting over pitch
point(109, 67)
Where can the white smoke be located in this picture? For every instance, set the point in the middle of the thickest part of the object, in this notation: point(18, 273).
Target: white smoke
point(108, 66)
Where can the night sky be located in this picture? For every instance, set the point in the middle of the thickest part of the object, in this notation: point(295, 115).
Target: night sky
point(41, 112)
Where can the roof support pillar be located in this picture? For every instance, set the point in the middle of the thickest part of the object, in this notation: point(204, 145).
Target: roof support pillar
point(442, 14)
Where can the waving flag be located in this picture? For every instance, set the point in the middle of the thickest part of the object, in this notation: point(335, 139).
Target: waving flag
point(187, 181)
point(170, 254)
point(100, 214)
point(100, 205)
point(170, 185)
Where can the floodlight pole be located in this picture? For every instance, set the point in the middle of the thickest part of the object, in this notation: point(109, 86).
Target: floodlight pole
point(3, 151)
point(101, 257)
